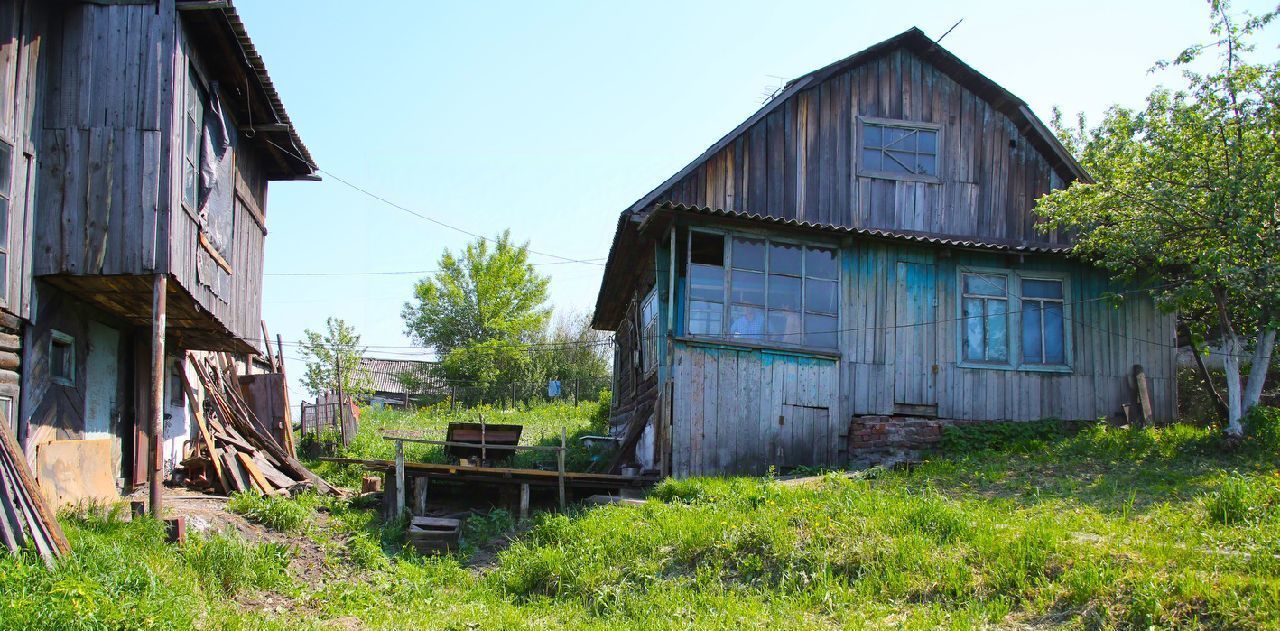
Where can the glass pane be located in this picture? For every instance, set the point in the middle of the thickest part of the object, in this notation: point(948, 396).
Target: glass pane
point(972, 327)
point(1042, 288)
point(747, 287)
point(784, 292)
point(4, 223)
point(926, 165)
point(705, 318)
point(785, 258)
point(871, 160)
point(189, 184)
point(873, 135)
point(997, 331)
point(820, 330)
point(784, 326)
point(820, 295)
point(899, 162)
point(706, 249)
point(927, 141)
point(4, 276)
point(984, 284)
point(649, 310)
point(900, 139)
point(1031, 332)
point(748, 254)
point(6, 168)
point(746, 322)
point(1054, 337)
point(820, 263)
point(706, 282)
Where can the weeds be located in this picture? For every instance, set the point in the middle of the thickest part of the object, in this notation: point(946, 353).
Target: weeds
point(276, 513)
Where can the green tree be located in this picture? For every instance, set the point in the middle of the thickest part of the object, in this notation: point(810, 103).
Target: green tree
point(338, 346)
point(573, 352)
point(481, 311)
point(1187, 200)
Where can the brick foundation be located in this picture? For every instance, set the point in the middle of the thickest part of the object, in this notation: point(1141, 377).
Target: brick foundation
point(889, 440)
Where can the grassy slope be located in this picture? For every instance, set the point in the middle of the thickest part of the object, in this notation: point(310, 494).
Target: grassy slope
point(1106, 529)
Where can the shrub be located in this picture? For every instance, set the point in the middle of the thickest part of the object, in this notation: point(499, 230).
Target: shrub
point(1262, 428)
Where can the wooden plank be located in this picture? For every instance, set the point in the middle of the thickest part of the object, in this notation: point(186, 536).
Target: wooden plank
point(255, 475)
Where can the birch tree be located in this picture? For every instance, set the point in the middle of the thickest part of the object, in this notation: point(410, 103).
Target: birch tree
point(1186, 198)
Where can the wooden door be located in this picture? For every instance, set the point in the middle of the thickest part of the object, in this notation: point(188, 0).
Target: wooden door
point(915, 333)
point(102, 390)
point(807, 438)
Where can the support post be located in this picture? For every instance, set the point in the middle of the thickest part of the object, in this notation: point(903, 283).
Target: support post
point(399, 478)
point(560, 467)
point(524, 501)
point(420, 495)
point(484, 446)
point(159, 289)
point(342, 417)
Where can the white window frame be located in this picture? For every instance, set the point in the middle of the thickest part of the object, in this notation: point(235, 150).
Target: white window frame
point(862, 123)
point(726, 302)
point(1066, 321)
point(1013, 319)
point(649, 333)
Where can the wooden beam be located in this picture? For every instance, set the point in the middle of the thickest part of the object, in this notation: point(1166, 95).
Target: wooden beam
point(202, 5)
point(213, 253)
point(159, 294)
point(266, 128)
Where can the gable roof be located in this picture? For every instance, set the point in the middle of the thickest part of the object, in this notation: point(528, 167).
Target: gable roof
point(917, 42)
point(384, 375)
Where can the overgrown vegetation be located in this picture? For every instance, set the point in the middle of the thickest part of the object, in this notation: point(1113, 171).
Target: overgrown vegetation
point(1105, 528)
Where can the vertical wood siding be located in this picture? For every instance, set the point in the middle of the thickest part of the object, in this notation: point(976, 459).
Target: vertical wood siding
point(740, 411)
point(799, 161)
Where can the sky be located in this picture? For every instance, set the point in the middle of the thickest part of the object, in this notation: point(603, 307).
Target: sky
point(549, 118)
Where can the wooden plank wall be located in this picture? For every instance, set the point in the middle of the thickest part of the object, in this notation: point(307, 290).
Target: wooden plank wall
point(799, 161)
point(103, 183)
point(1106, 342)
point(740, 411)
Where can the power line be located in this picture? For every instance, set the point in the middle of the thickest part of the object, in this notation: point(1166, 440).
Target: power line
point(397, 273)
point(371, 194)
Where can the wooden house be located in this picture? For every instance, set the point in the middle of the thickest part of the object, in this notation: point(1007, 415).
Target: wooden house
point(856, 266)
point(396, 383)
point(137, 141)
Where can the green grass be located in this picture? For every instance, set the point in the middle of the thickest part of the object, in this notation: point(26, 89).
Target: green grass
point(542, 424)
point(1108, 528)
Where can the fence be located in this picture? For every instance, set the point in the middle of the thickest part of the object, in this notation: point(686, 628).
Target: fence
point(500, 395)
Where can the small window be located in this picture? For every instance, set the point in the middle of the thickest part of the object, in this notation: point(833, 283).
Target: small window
point(1043, 333)
point(6, 183)
point(899, 149)
point(706, 284)
point(192, 127)
point(985, 314)
point(62, 359)
point(177, 393)
point(649, 332)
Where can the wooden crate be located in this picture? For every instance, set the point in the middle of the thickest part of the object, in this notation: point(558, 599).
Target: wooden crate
point(433, 535)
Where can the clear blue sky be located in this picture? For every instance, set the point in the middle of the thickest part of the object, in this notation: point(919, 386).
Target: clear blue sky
point(549, 118)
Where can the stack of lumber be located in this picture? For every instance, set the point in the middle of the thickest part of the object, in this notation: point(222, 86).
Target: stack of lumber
point(25, 518)
point(232, 452)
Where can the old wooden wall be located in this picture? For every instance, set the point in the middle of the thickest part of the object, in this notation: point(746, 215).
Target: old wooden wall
point(103, 183)
point(740, 411)
point(798, 162)
point(880, 343)
point(111, 161)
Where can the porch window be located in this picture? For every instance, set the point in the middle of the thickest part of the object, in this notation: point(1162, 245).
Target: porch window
point(758, 289)
point(649, 332)
point(6, 184)
point(192, 126)
point(985, 315)
point(899, 149)
point(1043, 334)
point(62, 358)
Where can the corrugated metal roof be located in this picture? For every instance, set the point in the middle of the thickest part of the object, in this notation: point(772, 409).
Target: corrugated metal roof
point(384, 374)
point(896, 235)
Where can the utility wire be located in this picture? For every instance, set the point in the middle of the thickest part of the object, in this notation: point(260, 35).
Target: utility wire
point(371, 194)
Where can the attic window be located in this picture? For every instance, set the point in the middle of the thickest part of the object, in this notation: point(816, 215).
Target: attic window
point(895, 149)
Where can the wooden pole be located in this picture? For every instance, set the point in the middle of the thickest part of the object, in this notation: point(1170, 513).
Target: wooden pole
point(524, 501)
point(159, 288)
point(342, 417)
point(266, 345)
point(399, 478)
point(484, 447)
point(560, 466)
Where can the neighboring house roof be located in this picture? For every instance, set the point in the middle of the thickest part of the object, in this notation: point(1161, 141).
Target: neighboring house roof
point(269, 121)
point(384, 375)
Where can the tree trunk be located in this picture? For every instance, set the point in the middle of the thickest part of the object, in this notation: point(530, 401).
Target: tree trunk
point(1231, 365)
point(1216, 397)
point(1258, 371)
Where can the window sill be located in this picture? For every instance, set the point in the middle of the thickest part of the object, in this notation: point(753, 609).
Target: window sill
point(718, 342)
point(905, 177)
point(1062, 370)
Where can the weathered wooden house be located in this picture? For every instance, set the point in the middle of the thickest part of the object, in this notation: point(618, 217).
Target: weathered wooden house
point(137, 141)
point(396, 383)
point(857, 265)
